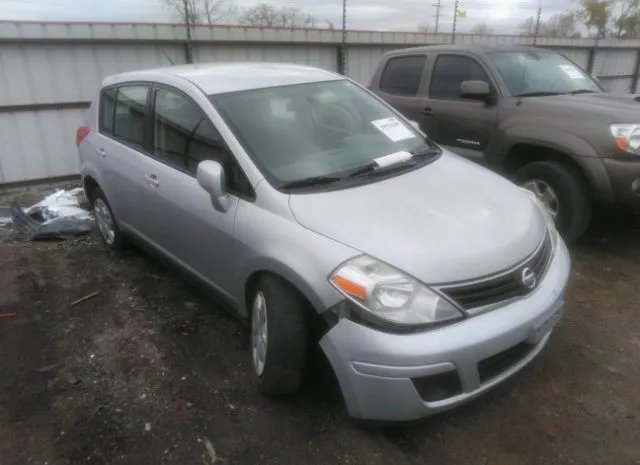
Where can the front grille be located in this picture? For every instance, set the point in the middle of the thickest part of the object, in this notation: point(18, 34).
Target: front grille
point(503, 286)
point(497, 364)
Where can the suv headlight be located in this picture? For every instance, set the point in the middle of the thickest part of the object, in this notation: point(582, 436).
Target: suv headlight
point(387, 297)
point(627, 137)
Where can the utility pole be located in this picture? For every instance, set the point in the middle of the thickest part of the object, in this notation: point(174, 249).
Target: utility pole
point(438, 5)
point(455, 21)
point(343, 45)
point(187, 21)
point(537, 29)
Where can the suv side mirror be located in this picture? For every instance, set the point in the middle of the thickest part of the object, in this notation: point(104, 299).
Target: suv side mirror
point(477, 90)
point(210, 176)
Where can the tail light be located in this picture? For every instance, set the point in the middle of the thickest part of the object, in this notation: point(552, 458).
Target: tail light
point(81, 134)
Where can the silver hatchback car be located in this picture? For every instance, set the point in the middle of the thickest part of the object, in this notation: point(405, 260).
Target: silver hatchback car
point(320, 214)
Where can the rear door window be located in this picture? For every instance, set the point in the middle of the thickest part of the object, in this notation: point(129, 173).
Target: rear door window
point(403, 75)
point(450, 72)
point(107, 110)
point(130, 116)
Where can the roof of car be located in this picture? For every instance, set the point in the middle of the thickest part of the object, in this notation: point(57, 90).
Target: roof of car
point(477, 48)
point(218, 78)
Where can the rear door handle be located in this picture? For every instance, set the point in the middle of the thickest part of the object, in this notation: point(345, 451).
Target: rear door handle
point(427, 111)
point(152, 179)
point(102, 152)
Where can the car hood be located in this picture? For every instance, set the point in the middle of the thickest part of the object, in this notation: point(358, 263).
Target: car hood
point(601, 107)
point(448, 221)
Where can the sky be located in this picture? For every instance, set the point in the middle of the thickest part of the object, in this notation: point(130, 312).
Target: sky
point(502, 16)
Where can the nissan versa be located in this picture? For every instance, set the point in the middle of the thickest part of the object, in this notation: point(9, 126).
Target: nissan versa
point(300, 198)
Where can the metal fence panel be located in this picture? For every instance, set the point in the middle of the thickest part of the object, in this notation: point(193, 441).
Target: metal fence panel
point(321, 56)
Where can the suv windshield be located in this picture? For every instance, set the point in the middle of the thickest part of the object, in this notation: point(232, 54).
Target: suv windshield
point(533, 73)
point(322, 130)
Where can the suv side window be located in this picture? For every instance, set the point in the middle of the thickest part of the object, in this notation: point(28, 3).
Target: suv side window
point(450, 71)
point(183, 136)
point(130, 115)
point(403, 75)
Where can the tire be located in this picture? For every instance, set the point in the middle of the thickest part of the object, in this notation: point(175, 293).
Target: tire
point(287, 337)
point(570, 189)
point(101, 208)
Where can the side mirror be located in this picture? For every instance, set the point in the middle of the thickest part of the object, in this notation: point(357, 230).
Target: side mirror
point(210, 176)
point(476, 90)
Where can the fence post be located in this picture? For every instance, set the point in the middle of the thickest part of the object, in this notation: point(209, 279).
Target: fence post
point(634, 81)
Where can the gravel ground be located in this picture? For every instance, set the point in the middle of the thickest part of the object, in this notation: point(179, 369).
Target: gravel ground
point(150, 371)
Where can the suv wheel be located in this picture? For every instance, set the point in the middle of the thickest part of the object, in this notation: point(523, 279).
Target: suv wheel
point(106, 222)
point(279, 337)
point(563, 191)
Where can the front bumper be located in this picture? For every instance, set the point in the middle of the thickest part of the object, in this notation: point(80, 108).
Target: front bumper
point(395, 377)
point(624, 177)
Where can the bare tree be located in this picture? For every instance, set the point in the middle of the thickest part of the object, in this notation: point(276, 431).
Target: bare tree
point(267, 15)
point(596, 14)
point(560, 25)
point(202, 11)
point(330, 24)
point(628, 23)
point(424, 27)
point(481, 28)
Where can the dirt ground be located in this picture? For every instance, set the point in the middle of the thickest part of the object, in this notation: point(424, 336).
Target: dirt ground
point(150, 372)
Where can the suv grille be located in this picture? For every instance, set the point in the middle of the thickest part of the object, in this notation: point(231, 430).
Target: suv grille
point(504, 286)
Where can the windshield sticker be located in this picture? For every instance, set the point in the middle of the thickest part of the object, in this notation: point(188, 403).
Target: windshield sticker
point(572, 71)
point(393, 129)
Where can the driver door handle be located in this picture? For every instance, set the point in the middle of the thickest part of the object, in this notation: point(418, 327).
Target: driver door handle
point(428, 111)
point(152, 179)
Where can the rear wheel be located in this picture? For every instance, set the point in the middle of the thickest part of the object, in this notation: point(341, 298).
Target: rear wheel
point(564, 193)
point(279, 337)
point(109, 231)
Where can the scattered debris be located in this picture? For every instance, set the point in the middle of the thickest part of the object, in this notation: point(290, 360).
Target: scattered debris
point(7, 315)
point(73, 380)
point(58, 215)
point(86, 297)
point(147, 426)
point(213, 458)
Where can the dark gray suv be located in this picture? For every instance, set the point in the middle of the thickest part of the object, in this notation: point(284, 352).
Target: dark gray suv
point(530, 114)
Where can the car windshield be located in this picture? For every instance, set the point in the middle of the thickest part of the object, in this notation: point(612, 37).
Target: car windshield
point(533, 73)
point(316, 130)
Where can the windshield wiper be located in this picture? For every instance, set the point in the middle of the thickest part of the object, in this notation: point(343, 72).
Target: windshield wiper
point(312, 181)
point(538, 94)
point(583, 91)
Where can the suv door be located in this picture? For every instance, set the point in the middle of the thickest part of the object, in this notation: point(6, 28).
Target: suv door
point(463, 125)
point(401, 85)
point(120, 148)
point(187, 228)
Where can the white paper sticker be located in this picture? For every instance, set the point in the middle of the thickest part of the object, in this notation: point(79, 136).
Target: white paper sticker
point(393, 159)
point(572, 71)
point(393, 129)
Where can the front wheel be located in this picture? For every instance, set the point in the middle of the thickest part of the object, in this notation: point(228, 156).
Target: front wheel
point(563, 192)
point(279, 337)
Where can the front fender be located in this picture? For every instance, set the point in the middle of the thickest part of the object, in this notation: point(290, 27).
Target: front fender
point(579, 150)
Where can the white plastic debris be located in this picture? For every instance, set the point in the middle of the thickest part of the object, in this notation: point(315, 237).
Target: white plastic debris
point(60, 204)
point(147, 426)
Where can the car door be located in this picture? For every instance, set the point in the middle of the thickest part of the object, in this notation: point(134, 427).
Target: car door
point(187, 228)
point(121, 151)
point(463, 125)
point(401, 85)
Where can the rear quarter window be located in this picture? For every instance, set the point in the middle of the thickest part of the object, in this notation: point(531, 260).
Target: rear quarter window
point(107, 108)
point(403, 75)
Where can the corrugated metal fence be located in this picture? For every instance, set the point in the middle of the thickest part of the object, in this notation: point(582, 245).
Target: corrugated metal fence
point(50, 71)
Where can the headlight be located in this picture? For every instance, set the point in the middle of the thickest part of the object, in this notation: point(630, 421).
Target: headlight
point(627, 137)
point(387, 297)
